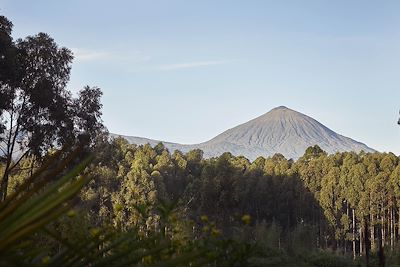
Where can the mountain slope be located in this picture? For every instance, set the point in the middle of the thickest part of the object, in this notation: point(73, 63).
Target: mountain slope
point(281, 130)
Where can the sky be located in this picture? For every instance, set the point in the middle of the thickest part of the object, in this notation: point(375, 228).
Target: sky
point(184, 71)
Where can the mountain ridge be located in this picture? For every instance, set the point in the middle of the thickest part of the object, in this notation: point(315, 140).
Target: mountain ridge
point(281, 130)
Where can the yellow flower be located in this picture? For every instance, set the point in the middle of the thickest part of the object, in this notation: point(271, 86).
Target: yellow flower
point(118, 207)
point(204, 218)
point(215, 232)
point(147, 259)
point(206, 229)
point(46, 260)
point(246, 219)
point(71, 213)
point(94, 232)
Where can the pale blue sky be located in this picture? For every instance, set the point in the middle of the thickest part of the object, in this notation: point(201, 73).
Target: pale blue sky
point(184, 71)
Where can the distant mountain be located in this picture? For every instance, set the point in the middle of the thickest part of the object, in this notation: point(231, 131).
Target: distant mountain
point(281, 130)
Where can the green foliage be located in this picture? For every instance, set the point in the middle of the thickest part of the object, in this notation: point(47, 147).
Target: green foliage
point(327, 259)
point(33, 206)
point(332, 196)
point(32, 213)
point(296, 208)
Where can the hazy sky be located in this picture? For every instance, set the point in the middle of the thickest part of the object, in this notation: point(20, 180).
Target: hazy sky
point(184, 71)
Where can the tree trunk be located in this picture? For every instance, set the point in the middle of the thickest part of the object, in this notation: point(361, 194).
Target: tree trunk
point(366, 241)
point(354, 235)
point(319, 229)
point(361, 239)
point(372, 232)
point(326, 243)
point(394, 227)
point(11, 141)
point(391, 229)
point(4, 180)
point(398, 227)
point(381, 253)
point(4, 185)
point(383, 228)
point(344, 239)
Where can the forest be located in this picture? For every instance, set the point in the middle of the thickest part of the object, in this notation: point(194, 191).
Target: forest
point(346, 203)
point(73, 196)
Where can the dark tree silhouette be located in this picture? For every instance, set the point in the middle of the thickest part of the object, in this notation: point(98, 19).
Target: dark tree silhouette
point(37, 112)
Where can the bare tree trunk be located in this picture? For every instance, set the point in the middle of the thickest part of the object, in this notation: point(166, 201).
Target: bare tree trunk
point(394, 227)
point(391, 229)
point(4, 184)
point(381, 253)
point(11, 141)
point(383, 228)
point(6, 174)
point(372, 232)
point(354, 235)
point(344, 239)
point(398, 227)
point(319, 230)
point(7, 171)
point(326, 242)
point(279, 242)
point(366, 241)
point(361, 238)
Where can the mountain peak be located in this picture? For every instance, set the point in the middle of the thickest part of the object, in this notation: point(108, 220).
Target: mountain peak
point(285, 131)
point(280, 108)
point(281, 114)
point(281, 130)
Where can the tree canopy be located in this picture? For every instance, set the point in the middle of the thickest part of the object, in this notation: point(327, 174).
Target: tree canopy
point(37, 112)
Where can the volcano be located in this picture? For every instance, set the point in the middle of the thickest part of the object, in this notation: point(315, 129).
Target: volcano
point(281, 130)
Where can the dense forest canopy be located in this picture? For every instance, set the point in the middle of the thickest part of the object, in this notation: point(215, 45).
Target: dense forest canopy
point(349, 200)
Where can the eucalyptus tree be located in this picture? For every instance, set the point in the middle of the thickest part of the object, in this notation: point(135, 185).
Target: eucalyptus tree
point(37, 112)
point(330, 198)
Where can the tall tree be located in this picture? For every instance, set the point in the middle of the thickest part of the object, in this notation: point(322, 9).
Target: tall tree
point(37, 112)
